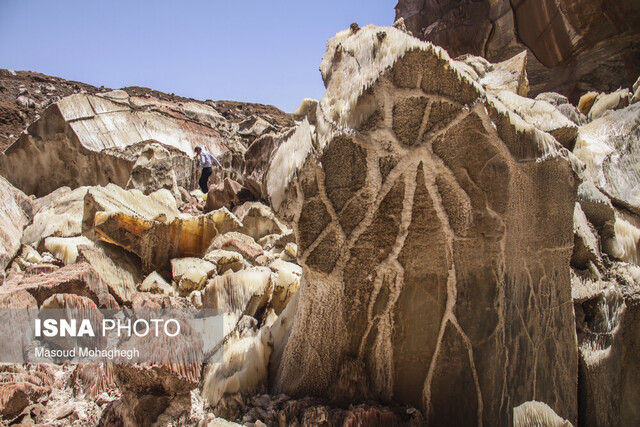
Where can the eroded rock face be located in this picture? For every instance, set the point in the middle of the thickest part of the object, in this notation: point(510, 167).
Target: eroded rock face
point(99, 138)
point(161, 167)
point(13, 219)
point(609, 148)
point(434, 226)
point(574, 46)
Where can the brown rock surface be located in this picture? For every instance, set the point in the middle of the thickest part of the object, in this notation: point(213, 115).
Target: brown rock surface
point(574, 46)
point(15, 397)
point(227, 194)
point(437, 261)
point(78, 279)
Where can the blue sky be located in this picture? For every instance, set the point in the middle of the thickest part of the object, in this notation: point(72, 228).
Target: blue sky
point(242, 50)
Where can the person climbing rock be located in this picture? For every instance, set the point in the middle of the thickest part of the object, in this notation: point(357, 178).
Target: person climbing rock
point(205, 162)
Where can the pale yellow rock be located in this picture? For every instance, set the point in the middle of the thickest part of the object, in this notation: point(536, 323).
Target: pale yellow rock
point(60, 215)
point(609, 102)
point(27, 257)
point(156, 242)
point(286, 283)
point(196, 299)
point(291, 249)
point(542, 115)
point(191, 273)
point(258, 220)
point(29, 254)
point(119, 270)
point(159, 205)
point(532, 414)
point(225, 260)
point(66, 248)
point(245, 291)
point(586, 102)
point(265, 259)
point(243, 368)
point(509, 75)
point(156, 284)
point(199, 195)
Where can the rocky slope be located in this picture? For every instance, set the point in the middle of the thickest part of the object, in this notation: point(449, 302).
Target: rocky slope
point(96, 135)
point(573, 46)
point(433, 248)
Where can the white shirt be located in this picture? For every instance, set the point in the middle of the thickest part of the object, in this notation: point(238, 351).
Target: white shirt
point(206, 160)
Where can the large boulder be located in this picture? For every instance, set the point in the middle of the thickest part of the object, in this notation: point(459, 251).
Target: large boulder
point(573, 46)
point(157, 242)
point(227, 194)
point(69, 213)
point(434, 226)
point(256, 163)
point(159, 166)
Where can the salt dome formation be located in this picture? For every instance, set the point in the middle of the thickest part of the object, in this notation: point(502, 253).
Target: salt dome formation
point(425, 245)
point(435, 232)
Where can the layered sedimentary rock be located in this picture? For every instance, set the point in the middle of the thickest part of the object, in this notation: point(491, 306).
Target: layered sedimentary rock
point(156, 242)
point(434, 226)
point(573, 46)
point(69, 213)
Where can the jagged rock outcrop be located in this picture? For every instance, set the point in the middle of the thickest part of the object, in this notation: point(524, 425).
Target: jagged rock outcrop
point(256, 163)
point(573, 46)
point(15, 397)
point(156, 284)
point(70, 213)
point(434, 226)
point(605, 272)
point(118, 269)
point(258, 221)
point(609, 148)
point(160, 167)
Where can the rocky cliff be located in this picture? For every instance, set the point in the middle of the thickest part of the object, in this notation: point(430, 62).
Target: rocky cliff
point(573, 46)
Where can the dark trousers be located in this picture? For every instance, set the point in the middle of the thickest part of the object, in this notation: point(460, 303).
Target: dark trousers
point(206, 173)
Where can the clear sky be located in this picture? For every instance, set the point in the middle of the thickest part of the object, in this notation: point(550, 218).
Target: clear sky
point(241, 50)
